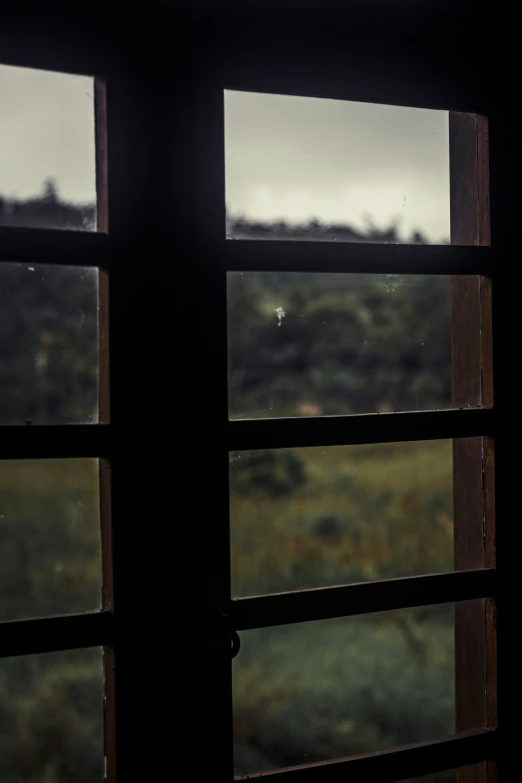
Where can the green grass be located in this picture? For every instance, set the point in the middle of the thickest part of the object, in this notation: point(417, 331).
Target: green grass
point(314, 517)
point(363, 512)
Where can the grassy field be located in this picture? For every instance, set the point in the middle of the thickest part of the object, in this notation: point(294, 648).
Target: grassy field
point(315, 517)
point(51, 706)
point(299, 518)
point(50, 558)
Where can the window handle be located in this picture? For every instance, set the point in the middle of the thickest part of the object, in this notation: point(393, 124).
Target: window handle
point(235, 641)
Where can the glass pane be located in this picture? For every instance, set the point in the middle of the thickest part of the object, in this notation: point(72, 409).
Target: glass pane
point(314, 517)
point(321, 169)
point(48, 344)
point(51, 718)
point(322, 690)
point(50, 541)
point(48, 150)
point(308, 344)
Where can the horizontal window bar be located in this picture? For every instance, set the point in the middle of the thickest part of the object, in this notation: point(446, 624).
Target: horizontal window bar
point(347, 600)
point(265, 255)
point(55, 441)
point(50, 246)
point(50, 634)
point(252, 434)
point(308, 58)
point(25, 44)
point(398, 764)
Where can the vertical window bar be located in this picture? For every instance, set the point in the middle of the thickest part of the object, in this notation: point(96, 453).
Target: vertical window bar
point(488, 464)
point(209, 166)
point(102, 225)
point(471, 385)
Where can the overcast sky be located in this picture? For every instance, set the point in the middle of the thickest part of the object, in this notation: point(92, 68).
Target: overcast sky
point(286, 157)
point(298, 158)
point(46, 130)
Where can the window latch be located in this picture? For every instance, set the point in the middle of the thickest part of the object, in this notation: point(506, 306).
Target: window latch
point(235, 641)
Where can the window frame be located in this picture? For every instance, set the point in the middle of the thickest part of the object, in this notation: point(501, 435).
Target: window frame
point(271, 65)
point(117, 441)
point(149, 617)
point(28, 636)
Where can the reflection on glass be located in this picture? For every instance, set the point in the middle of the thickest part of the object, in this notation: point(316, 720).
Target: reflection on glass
point(51, 718)
point(322, 690)
point(50, 552)
point(321, 169)
point(48, 344)
point(315, 517)
point(311, 344)
point(47, 139)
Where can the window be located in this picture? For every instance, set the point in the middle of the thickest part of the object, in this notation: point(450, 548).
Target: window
point(318, 689)
point(185, 619)
point(56, 583)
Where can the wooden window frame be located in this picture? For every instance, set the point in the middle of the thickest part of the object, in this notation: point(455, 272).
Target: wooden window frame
point(171, 106)
point(57, 248)
point(117, 440)
point(269, 64)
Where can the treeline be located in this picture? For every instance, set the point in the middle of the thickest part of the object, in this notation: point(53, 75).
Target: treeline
point(317, 230)
point(47, 211)
point(312, 344)
point(48, 324)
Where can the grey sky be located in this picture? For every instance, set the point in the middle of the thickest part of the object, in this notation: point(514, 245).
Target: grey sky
point(286, 156)
point(46, 130)
point(298, 158)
